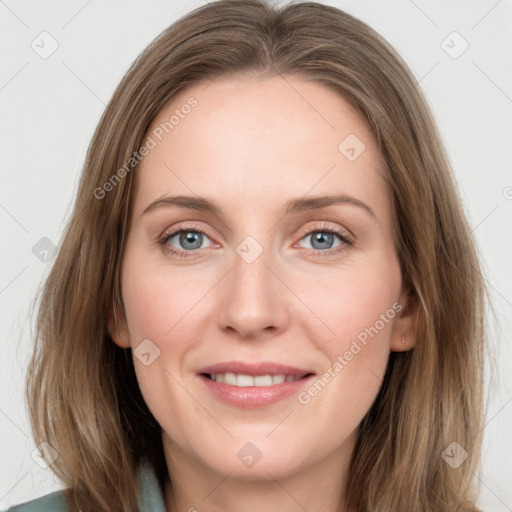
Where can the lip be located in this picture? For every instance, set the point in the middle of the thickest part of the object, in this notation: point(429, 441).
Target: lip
point(253, 397)
point(253, 369)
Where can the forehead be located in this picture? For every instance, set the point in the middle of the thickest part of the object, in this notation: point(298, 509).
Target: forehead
point(258, 141)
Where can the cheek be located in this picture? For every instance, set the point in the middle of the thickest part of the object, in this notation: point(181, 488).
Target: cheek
point(355, 311)
point(160, 304)
point(165, 308)
point(169, 308)
point(353, 302)
point(358, 310)
point(364, 317)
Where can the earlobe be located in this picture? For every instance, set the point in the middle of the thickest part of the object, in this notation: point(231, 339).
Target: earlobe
point(117, 328)
point(405, 329)
point(404, 344)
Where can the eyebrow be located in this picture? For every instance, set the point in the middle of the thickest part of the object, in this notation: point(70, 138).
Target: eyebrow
point(291, 206)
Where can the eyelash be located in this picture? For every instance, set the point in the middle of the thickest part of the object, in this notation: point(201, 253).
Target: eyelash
point(347, 241)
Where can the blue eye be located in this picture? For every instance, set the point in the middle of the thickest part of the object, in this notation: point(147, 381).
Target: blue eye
point(189, 240)
point(186, 241)
point(323, 239)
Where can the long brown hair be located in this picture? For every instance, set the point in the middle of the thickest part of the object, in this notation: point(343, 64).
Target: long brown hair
point(82, 392)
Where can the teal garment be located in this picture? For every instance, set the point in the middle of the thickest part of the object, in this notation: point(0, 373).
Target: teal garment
point(151, 499)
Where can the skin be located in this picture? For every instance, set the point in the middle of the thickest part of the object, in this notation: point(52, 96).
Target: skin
point(249, 145)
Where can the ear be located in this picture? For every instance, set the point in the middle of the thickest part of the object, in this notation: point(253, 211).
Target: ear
point(405, 328)
point(117, 327)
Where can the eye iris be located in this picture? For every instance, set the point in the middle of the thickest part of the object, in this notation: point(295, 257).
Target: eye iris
point(322, 237)
point(192, 237)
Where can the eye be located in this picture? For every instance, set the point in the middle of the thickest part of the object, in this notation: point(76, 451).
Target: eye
point(322, 241)
point(185, 241)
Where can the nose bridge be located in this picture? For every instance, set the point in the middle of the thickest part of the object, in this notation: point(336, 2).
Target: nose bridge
point(253, 298)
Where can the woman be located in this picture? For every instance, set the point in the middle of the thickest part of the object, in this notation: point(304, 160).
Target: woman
point(259, 368)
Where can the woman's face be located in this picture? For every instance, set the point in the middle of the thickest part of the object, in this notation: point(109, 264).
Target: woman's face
point(257, 264)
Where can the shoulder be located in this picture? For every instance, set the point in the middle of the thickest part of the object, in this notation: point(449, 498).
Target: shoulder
point(54, 502)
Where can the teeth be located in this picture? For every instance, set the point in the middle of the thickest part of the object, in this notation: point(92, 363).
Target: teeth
point(263, 380)
point(244, 380)
point(241, 380)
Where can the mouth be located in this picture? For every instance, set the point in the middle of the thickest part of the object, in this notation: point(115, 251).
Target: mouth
point(242, 380)
point(253, 385)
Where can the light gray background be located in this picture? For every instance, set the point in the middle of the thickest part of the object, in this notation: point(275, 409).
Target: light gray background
point(50, 107)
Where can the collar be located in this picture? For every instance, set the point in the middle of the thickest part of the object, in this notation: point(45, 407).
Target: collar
point(150, 498)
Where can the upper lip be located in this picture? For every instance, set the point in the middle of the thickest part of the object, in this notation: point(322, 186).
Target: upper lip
point(252, 368)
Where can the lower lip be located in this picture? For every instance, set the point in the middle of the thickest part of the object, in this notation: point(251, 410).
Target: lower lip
point(253, 397)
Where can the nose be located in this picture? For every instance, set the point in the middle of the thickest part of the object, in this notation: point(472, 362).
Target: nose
point(253, 299)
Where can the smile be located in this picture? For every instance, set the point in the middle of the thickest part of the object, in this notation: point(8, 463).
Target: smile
point(241, 380)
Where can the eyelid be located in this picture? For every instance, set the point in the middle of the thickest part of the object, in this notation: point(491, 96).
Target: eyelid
point(345, 236)
point(342, 231)
point(184, 226)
